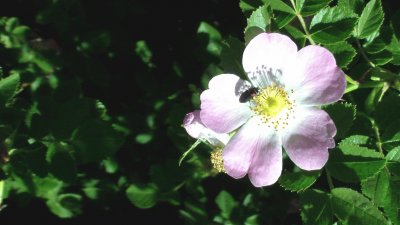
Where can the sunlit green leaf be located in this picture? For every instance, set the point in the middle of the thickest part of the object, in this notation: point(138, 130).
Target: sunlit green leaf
point(370, 20)
point(309, 7)
point(298, 181)
point(8, 88)
point(353, 208)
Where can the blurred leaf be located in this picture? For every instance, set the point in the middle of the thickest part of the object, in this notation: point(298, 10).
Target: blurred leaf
point(343, 115)
point(32, 157)
point(231, 57)
point(351, 163)
point(343, 52)
point(110, 165)
point(298, 181)
point(214, 37)
point(144, 52)
point(144, 138)
point(95, 140)
point(8, 88)
point(47, 187)
point(353, 208)
point(332, 25)
point(66, 205)
point(315, 208)
point(251, 220)
point(70, 115)
point(142, 196)
point(226, 203)
point(309, 7)
point(370, 20)
point(62, 164)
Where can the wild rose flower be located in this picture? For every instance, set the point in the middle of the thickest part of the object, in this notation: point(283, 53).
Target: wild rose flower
point(196, 129)
point(278, 107)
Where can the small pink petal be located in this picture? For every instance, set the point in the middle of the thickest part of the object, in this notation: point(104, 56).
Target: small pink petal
point(221, 110)
point(271, 50)
point(196, 129)
point(315, 77)
point(266, 167)
point(308, 138)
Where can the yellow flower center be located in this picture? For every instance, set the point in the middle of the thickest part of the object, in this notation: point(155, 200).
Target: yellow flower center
point(217, 161)
point(273, 105)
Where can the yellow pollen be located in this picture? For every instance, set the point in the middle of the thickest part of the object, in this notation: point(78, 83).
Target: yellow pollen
point(217, 161)
point(273, 105)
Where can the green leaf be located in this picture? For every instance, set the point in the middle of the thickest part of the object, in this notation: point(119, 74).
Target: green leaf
point(142, 196)
point(355, 5)
point(32, 157)
point(66, 205)
point(351, 163)
point(343, 52)
point(356, 140)
point(258, 22)
point(343, 114)
point(231, 57)
point(315, 208)
point(183, 156)
point(282, 13)
point(226, 203)
point(353, 208)
point(61, 162)
point(377, 187)
point(95, 140)
point(70, 115)
point(370, 20)
point(381, 58)
point(332, 25)
point(213, 36)
point(144, 138)
point(298, 181)
point(309, 7)
point(387, 111)
point(394, 160)
point(8, 88)
point(250, 5)
point(299, 36)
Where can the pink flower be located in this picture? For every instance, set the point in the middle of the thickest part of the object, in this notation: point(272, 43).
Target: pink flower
point(196, 129)
point(278, 107)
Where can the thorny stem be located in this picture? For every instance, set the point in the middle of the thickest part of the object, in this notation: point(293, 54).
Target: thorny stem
point(363, 54)
point(303, 24)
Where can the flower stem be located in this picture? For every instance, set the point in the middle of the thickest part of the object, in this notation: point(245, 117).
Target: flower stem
point(329, 178)
point(364, 55)
point(303, 23)
point(376, 131)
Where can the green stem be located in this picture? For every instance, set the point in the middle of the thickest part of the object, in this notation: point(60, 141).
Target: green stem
point(303, 24)
point(329, 178)
point(364, 55)
point(376, 131)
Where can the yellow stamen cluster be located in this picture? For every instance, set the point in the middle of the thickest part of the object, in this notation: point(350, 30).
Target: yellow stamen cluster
point(273, 105)
point(217, 161)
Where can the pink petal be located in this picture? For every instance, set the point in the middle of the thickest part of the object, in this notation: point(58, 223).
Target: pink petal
point(196, 129)
point(255, 149)
point(266, 167)
point(221, 110)
point(271, 50)
point(315, 77)
point(308, 137)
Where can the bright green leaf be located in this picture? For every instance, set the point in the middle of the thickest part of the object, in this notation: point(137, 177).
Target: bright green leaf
point(332, 25)
point(283, 14)
point(370, 20)
point(315, 208)
point(355, 5)
point(309, 7)
point(298, 181)
point(8, 88)
point(353, 208)
point(142, 196)
point(226, 203)
point(258, 22)
point(66, 205)
point(351, 163)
